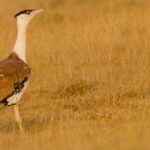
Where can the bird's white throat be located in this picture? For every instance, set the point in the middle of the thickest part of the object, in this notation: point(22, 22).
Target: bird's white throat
point(20, 45)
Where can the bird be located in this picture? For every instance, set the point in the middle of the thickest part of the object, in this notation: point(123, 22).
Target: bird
point(14, 71)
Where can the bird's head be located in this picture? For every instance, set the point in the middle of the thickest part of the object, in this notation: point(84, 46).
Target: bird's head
point(25, 16)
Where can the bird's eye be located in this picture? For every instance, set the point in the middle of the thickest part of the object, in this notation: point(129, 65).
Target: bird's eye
point(28, 12)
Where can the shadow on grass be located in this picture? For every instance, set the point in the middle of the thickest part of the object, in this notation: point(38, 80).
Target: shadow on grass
point(75, 89)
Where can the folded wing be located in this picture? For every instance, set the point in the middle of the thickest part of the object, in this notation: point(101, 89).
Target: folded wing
point(13, 74)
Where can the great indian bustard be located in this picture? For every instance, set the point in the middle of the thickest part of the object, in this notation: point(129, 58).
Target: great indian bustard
point(14, 72)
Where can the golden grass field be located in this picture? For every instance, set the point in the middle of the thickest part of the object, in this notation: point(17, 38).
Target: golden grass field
point(90, 84)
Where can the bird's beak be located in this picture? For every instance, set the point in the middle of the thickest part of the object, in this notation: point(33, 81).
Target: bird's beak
point(37, 11)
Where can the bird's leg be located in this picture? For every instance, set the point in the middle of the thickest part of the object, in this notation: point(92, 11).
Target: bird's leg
point(18, 118)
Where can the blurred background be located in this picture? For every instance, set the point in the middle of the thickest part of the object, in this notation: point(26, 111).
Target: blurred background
point(90, 84)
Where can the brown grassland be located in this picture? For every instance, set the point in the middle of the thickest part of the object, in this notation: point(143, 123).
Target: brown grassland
point(90, 84)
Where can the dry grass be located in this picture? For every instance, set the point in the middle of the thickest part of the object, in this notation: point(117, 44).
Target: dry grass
point(90, 86)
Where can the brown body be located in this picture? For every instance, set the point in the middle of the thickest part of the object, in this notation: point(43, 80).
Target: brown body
point(13, 74)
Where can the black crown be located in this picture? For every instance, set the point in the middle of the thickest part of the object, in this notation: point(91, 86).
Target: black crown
point(27, 12)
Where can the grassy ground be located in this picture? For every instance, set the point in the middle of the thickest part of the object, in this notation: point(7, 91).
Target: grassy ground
point(90, 85)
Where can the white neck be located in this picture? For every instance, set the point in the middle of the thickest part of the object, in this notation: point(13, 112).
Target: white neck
point(20, 45)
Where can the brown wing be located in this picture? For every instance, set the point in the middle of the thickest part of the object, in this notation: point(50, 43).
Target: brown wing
point(12, 71)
